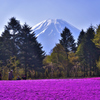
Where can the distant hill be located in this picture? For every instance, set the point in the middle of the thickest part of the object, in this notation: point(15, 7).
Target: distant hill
point(48, 32)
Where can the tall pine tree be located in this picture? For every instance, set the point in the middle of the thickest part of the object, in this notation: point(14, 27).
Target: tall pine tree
point(67, 41)
point(6, 45)
point(14, 28)
point(81, 36)
point(87, 53)
point(30, 51)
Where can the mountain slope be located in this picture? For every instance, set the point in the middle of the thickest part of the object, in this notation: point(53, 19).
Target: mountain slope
point(48, 32)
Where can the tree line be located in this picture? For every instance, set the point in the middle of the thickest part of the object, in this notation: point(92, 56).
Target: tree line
point(70, 59)
point(21, 52)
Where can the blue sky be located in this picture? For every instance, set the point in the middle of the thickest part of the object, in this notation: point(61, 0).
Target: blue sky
point(79, 13)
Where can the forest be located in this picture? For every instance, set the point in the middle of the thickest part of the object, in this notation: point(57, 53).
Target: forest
point(21, 52)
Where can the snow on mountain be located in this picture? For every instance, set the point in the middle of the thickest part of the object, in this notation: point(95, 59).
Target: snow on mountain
point(48, 32)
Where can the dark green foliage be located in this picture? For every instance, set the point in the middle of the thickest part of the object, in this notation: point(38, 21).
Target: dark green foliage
point(90, 33)
point(67, 40)
point(87, 52)
point(13, 27)
point(19, 41)
point(20, 51)
point(1, 52)
point(6, 44)
point(30, 53)
point(81, 36)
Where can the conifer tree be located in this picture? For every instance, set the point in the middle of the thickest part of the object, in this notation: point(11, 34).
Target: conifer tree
point(30, 51)
point(13, 27)
point(6, 45)
point(87, 52)
point(20, 42)
point(67, 41)
point(81, 36)
point(1, 52)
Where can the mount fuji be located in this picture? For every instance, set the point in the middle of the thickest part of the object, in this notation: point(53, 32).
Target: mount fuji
point(48, 32)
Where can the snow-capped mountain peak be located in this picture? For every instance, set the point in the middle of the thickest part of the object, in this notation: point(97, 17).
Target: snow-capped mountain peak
point(48, 32)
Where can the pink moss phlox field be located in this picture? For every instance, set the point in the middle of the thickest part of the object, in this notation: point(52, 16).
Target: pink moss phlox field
point(51, 89)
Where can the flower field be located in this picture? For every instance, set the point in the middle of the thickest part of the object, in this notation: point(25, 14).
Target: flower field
point(51, 89)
